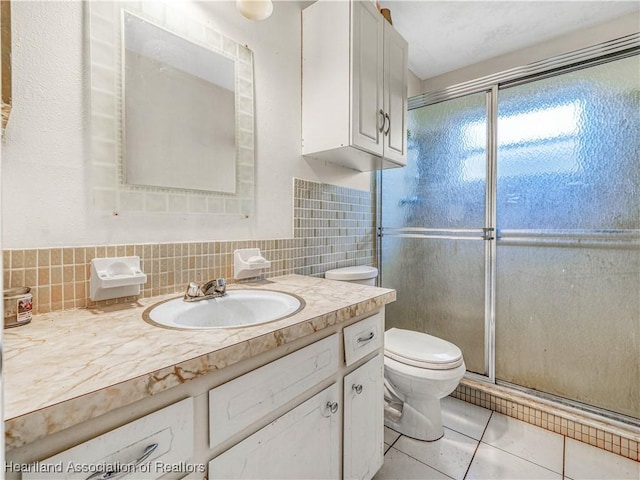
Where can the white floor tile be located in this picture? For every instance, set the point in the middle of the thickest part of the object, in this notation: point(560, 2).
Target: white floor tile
point(390, 436)
point(398, 465)
point(524, 440)
point(464, 417)
point(584, 461)
point(496, 464)
point(450, 455)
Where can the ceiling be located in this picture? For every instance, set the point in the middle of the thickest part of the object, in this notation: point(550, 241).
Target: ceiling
point(447, 35)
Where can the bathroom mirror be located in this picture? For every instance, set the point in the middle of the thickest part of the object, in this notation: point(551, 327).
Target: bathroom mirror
point(172, 112)
point(179, 111)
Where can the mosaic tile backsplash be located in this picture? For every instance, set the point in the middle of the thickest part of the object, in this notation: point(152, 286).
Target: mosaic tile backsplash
point(333, 228)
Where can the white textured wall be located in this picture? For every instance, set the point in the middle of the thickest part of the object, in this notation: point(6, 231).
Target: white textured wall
point(45, 162)
point(610, 30)
point(415, 84)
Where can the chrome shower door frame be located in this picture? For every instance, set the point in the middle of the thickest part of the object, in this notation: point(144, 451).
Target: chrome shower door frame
point(595, 55)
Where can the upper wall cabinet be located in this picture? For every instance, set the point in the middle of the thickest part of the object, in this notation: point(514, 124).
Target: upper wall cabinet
point(354, 86)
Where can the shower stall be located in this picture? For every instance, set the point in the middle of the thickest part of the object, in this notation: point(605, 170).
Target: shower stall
point(514, 230)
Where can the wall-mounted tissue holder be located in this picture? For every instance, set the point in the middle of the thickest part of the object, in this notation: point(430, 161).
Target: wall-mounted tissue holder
point(115, 277)
point(248, 263)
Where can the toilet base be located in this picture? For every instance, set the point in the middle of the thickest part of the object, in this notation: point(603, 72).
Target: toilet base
point(421, 419)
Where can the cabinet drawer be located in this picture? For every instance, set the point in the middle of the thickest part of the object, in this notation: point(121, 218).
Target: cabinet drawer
point(364, 337)
point(245, 400)
point(155, 442)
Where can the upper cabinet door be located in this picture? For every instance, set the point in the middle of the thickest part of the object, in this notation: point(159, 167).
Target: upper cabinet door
point(396, 51)
point(367, 49)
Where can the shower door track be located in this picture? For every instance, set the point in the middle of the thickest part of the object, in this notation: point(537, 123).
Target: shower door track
point(583, 408)
point(601, 53)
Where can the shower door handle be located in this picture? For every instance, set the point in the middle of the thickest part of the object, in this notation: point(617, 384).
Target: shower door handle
point(487, 233)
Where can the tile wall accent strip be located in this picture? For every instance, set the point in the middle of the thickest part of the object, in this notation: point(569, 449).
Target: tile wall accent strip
point(333, 227)
point(596, 432)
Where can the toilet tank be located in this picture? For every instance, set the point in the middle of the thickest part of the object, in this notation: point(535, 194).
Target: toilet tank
point(362, 274)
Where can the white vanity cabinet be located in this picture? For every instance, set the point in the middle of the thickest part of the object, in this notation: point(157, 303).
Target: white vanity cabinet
point(304, 441)
point(310, 408)
point(354, 86)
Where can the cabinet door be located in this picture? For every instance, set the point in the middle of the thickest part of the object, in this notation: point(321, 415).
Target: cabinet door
point(303, 443)
point(364, 420)
point(367, 76)
point(396, 52)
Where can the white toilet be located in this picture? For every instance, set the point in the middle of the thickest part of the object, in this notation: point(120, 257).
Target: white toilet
point(419, 370)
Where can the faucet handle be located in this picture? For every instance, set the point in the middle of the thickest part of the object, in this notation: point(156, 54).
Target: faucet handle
point(192, 290)
point(221, 285)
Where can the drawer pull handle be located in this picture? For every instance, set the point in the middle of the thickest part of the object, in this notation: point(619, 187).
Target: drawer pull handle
point(357, 388)
point(111, 474)
point(332, 407)
point(367, 338)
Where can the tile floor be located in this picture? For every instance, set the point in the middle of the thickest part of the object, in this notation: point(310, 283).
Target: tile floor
point(481, 444)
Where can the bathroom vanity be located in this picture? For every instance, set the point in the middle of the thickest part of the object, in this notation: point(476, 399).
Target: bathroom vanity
point(299, 397)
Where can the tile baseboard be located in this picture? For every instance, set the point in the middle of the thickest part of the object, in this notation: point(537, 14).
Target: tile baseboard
point(591, 429)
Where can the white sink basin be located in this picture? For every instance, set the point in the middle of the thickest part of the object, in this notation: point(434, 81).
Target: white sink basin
point(238, 308)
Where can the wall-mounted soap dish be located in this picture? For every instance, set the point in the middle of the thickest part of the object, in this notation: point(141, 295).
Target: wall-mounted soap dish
point(116, 277)
point(248, 263)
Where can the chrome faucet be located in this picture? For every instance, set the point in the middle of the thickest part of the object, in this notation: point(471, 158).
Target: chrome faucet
point(211, 289)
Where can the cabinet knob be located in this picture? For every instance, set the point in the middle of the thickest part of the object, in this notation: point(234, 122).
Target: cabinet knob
point(357, 388)
point(332, 407)
point(387, 117)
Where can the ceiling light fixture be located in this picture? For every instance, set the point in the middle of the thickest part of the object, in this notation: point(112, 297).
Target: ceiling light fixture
point(255, 9)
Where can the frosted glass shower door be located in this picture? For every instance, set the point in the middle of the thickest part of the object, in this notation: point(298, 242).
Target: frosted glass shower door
point(433, 226)
point(568, 256)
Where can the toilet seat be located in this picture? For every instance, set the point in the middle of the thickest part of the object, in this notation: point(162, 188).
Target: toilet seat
point(421, 350)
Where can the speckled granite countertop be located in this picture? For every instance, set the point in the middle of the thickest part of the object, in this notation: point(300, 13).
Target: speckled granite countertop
point(68, 367)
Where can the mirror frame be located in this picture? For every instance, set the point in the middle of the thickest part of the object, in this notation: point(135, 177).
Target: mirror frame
point(110, 192)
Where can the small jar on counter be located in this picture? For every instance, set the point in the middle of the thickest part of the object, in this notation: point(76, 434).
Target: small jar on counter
point(18, 303)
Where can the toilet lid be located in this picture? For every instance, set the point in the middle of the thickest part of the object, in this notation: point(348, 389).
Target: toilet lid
point(421, 350)
point(346, 274)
